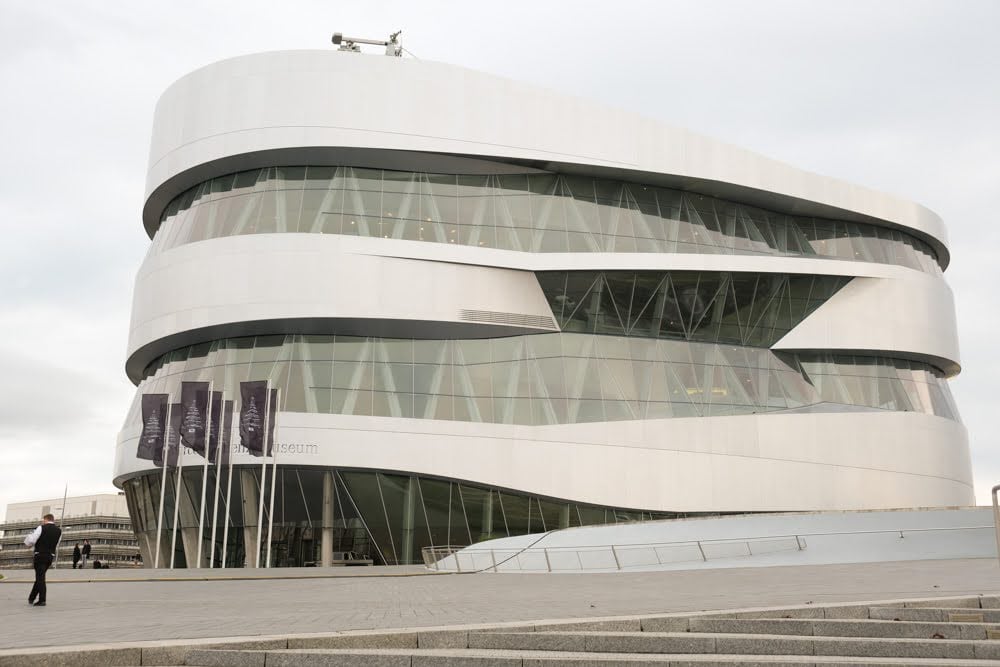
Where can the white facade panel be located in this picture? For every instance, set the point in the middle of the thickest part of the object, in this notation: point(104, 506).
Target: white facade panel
point(913, 314)
point(303, 276)
point(308, 276)
point(752, 463)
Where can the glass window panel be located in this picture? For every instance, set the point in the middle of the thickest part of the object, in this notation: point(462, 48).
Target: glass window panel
point(319, 178)
point(480, 513)
point(471, 185)
point(546, 379)
point(526, 213)
point(365, 494)
point(436, 501)
point(399, 181)
point(459, 532)
point(424, 378)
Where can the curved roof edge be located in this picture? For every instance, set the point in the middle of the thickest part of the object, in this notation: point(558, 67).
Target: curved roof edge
point(224, 114)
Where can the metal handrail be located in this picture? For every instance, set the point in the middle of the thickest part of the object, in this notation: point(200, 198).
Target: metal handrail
point(429, 553)
point(472, 549)
point(432, 556)
point(996, 517)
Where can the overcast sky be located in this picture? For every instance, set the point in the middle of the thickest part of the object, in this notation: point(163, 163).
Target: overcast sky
point(898, 96)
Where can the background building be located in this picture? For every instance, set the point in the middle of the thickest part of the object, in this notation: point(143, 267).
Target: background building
point(103, 519)
point(391, 304)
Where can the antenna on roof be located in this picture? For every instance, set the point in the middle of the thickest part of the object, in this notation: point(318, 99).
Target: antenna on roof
point(392, 45)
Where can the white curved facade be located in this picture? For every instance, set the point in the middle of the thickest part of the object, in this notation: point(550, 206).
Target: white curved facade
point(480, 308)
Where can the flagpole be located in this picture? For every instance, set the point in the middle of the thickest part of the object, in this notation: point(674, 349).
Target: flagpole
point(62, 513)
point(263, 471)
point(204, 472)
point(218, 452)
point(274, 477)
point(177, 496)
point(229, 492)
point(163, 485)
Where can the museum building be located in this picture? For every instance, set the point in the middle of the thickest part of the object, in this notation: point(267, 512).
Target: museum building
point(391, 304)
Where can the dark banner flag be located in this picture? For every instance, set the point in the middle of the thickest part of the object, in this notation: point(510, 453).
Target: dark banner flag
point(194, 422)
point(214, 425)
point(154, 425)
point(227, 432)
point(272, 411)
point(172, 436)
point(222, 422)
point(253, 397)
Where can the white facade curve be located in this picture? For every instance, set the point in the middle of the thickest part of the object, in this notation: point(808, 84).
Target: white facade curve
point(371, 322)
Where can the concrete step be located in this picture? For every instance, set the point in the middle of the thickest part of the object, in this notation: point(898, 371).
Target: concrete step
point(841, 628)
point(492, 658)
point(736, 643)
point(923, 632)
point(934, 614)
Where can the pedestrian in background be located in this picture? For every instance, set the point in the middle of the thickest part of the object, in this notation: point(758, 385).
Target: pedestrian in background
point(44, 539)
point(76, 555)
point(86, 554)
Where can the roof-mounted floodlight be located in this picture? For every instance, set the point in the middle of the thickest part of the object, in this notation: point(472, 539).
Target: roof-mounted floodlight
point(392, 45)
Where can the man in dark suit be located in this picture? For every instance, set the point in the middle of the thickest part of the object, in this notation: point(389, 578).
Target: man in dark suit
point(44, 539)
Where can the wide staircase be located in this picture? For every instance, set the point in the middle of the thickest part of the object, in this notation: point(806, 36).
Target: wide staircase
point(952, 631)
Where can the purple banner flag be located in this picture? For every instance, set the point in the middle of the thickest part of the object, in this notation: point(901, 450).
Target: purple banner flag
point(272, 412)
point(214, 428)
point(252, 418)
point(172, 437)
point(154, 426)
point(194, 422)
point(253, 397)
point(227, 431)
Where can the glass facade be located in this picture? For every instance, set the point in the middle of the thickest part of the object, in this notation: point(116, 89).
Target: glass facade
point(526, 212)
point(754, 309)
point(387, 518)
point(558, 378)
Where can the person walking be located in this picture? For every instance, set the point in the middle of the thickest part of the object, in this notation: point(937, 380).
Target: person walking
point(86, 554)
point(44, 539)
point(76, 555)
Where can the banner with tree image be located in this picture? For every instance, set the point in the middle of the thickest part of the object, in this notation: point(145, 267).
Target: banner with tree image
point(215, 426)
point(154, 427)
point(195, 419)
point(173, 438)
point(257, 414)
point(222, 419)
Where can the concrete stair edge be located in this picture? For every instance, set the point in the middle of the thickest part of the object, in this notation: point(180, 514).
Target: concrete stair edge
point(174, 651)
point(493, 658)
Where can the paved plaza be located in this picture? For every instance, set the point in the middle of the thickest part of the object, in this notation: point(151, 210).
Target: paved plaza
point(124, 608)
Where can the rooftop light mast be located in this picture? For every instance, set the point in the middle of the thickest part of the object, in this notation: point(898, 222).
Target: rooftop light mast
point(392, 45)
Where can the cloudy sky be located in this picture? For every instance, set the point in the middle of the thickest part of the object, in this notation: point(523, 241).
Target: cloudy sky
point(899, 96)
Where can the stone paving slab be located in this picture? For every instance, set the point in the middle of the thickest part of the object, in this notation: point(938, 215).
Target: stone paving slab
point(69, 575)
point(103, 612)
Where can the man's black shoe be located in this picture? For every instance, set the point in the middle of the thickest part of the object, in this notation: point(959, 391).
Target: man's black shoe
point(31, 601)
point(39, 604)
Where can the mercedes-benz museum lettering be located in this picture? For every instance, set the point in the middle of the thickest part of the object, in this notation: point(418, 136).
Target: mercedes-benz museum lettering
point(392, 304)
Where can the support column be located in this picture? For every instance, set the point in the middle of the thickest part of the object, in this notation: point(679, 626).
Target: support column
point(409, 511)
point(250, 499)
point(326, 544)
